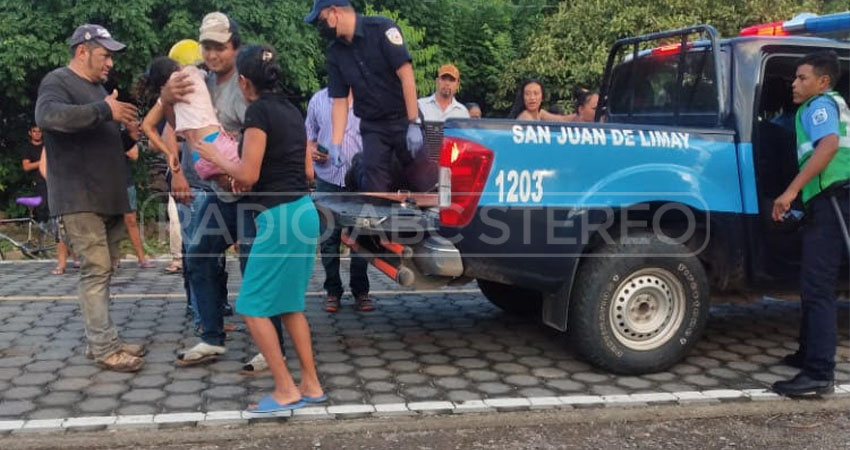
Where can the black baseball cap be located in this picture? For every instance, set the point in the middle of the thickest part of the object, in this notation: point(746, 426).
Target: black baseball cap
point(319, 5)
point(98, 34)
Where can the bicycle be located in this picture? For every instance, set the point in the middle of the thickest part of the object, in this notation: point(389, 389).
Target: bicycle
point(40, 242)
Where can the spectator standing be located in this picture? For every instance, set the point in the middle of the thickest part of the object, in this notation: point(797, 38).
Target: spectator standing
point(474, 110)
point(528, 103)
point(330, 178)
point(86, 184)
point(130, 218)
point(442, 104)
point(584, 103)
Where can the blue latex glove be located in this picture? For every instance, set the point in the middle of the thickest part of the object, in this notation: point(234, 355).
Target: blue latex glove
point(335, 154)
point(415, 141)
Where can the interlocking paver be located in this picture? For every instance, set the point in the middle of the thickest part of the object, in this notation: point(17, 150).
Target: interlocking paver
point(428, 347)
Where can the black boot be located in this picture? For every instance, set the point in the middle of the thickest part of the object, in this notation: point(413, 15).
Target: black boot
point(803, 385)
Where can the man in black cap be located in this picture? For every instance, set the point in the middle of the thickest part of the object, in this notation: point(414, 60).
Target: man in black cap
point(85, 147)
point(369, 57)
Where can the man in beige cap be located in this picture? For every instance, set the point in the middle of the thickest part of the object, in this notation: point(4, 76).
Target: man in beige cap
point(442, 105)
point(218, 219)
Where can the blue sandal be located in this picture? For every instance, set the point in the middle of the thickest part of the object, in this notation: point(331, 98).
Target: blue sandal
point(269, 405)
point(320, 399)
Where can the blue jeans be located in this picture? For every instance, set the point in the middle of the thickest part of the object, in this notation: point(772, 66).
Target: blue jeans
point(359, 281)
point(210, 227)
point(214, 226)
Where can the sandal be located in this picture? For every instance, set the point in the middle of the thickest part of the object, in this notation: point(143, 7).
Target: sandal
point(122, 361)
point(173, 269)
point(269, 405)
point(255, 366)
point(199, 354)
point(363, 303)
point(332, 304)
point(146, 264)
point(137, 350)
point(58, 271)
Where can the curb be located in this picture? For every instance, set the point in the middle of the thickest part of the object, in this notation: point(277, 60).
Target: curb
point(359, 411)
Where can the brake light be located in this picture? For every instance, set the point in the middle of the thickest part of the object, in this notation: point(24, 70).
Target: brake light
point(766, 29)
point(669, 49)
point(464, 168)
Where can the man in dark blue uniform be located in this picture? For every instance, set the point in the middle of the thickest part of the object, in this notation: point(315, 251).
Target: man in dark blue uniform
point(368, 55)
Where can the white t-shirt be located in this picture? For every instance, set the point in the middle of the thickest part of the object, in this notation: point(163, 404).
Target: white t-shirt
point(197, 111)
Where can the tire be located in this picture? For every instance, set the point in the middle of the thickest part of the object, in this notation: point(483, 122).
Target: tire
point(638, 313)
point(512, 299)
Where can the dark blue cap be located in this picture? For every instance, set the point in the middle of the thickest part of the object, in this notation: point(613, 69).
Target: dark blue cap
point(319, 5)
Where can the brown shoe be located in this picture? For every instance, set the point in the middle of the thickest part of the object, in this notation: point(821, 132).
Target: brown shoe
point(137, 350)
point(122, 361)
point(332, 303)
point(363, 303)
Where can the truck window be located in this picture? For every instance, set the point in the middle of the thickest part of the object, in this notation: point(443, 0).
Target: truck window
point(774, 141)
point(648, 90)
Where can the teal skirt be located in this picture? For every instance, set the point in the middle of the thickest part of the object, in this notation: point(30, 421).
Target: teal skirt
point(281, 260)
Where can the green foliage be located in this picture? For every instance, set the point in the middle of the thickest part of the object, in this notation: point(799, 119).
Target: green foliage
point(570, 47)
point(34, 34)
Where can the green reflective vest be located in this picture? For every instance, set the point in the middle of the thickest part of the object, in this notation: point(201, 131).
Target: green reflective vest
point(839, 168)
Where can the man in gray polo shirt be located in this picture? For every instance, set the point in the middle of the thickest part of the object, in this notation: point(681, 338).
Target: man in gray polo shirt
point(85, 148)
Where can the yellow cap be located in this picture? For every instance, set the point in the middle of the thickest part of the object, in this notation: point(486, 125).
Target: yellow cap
point(186, 52)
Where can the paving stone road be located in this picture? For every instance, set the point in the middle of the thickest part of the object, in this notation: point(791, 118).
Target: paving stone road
point(440, 345)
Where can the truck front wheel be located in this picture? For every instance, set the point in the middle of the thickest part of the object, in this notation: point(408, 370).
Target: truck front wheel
point(512, 299)
point(638, 308)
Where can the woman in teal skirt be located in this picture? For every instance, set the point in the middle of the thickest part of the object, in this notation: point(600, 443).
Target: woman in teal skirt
point(274, 163)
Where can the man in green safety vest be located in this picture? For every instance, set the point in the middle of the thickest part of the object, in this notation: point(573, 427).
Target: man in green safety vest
point(823, 152)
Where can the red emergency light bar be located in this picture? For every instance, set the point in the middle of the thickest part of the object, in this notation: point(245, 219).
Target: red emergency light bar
point(767, 29)
point(801, 24)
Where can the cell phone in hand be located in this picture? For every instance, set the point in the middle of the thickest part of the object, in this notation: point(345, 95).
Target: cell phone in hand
point(323, 150)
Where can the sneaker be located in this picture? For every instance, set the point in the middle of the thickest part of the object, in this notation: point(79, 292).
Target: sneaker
point(332, 303)
point(363, 303)
point(228, 310)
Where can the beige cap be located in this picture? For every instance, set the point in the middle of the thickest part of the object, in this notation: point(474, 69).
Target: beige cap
point(215, 27)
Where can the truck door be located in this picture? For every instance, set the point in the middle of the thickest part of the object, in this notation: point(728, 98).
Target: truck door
point(776, 247)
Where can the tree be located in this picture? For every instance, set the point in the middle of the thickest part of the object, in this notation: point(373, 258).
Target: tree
point(571, 46)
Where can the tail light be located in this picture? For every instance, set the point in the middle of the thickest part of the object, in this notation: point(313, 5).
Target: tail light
point(464, 168)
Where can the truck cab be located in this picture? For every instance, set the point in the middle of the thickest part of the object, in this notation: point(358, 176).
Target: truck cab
point(618, 232)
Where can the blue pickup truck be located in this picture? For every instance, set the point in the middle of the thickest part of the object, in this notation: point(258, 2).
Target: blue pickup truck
point(619, 232)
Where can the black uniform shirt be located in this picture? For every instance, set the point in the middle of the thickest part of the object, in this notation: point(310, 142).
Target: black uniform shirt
point(368, 65)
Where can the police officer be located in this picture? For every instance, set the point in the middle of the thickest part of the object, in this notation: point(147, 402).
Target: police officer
point(823, 152)
point(368, 56)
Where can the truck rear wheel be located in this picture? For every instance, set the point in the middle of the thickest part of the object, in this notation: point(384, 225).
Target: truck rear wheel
point(639, 310)
point(512, 299)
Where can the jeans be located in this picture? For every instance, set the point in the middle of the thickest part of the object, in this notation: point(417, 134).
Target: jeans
point(823, 250)
point(213, 227)
point(94, 238)
point(359, 281)
point(210, 228)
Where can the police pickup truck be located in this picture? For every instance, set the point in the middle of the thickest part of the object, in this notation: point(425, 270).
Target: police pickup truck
point(620, 231)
